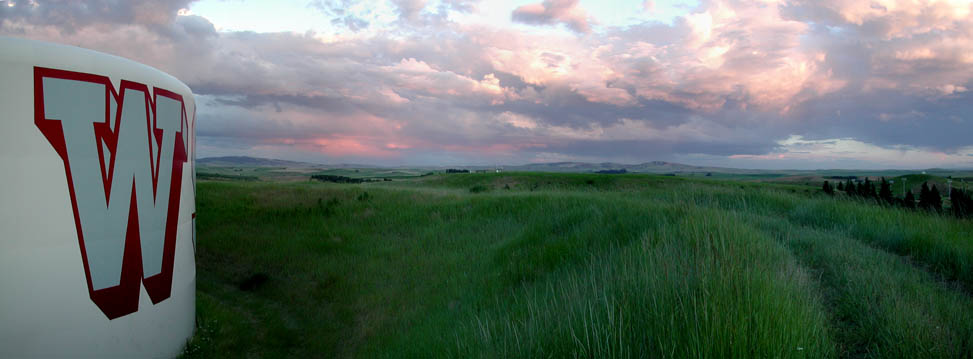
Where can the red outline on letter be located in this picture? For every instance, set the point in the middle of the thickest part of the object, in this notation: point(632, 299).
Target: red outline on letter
point(122, 299)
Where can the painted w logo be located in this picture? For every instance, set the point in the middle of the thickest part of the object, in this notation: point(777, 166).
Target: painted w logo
point(123, 153)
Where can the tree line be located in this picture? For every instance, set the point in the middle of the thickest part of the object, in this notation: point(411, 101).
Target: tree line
point(343, 179)
point(929, 196)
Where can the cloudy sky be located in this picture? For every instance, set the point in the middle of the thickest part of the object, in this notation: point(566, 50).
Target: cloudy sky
point(755, 84)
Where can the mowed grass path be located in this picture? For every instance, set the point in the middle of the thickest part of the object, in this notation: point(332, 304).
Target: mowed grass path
point(573, 265)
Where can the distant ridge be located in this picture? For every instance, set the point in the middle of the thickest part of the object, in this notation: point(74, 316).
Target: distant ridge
point(245, 161)
point(647, 167)
point(654, 167)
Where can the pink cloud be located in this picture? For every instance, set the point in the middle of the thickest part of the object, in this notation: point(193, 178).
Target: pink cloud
point(338, 146)
point(420, 77)
point(749, 53)
point(893, 18)
point(551, 12)
point(409, 9)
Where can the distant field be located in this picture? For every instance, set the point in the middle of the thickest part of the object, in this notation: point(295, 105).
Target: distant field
point(372, 173)
point(253, 173)
point(290, 174)
point(524, 265)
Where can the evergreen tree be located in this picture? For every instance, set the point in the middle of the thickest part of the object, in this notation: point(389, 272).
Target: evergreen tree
point(960, 203)
point(967, 203)
point(841, 186)
point(826, 187)
point(850, 188)
point(885, 193)
point(924, 201)
point(935, 200)
point(909, 201)
point(866, 190)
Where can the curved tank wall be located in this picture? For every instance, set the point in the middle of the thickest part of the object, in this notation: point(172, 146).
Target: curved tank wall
point(97, 205)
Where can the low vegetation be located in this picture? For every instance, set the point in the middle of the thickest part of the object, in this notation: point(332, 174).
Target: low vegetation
point(960, 202)
point(523, 265)
point(337, 179)
point(207, 176)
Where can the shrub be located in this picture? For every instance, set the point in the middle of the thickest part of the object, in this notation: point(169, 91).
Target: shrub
point(336, 179)
point(478, 189)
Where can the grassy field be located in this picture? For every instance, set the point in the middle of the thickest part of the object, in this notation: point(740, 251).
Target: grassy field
point(292, 174)
point(574, 265)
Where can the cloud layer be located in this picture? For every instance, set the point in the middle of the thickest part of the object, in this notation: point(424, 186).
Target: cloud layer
point(551, 12)
point(729, 79)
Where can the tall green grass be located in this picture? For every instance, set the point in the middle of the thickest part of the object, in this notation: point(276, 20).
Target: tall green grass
point(573, 265)
point(943, 244)
point(885, 306)
point(687, 288)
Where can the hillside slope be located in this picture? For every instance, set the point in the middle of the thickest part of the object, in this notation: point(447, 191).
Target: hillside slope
point(574, 265)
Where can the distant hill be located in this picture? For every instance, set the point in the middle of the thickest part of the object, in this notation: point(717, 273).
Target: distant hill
point(654, 167)
point(244, 161)
point(647, 167)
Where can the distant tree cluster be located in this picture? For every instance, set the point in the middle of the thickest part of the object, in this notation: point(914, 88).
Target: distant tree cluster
point(453, 170)
point(929, 196)
point(613, 172)
point(866, 189)
point(336, 179)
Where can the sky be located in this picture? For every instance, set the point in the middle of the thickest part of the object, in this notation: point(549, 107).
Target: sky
point(770, 84)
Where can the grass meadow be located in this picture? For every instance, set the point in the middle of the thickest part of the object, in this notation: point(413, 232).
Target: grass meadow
point(526, 265)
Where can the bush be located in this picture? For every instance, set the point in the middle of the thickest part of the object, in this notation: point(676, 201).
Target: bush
point(336, 179)
point(478, 189)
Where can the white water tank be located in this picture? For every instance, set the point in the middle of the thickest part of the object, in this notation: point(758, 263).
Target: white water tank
point(97, 205)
